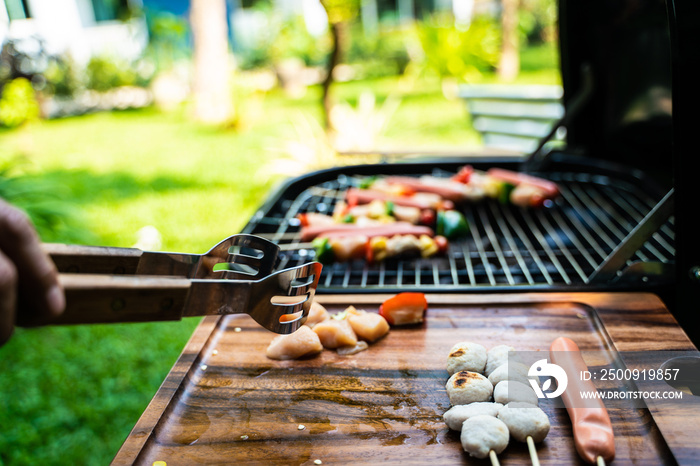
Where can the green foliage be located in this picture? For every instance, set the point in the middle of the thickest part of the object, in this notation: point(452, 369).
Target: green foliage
point(45, 201)
point(62, 77)
point(537, 21)
point(339, 11)
point(293, 40)
point(168, 39)
point(18, 103)
point(460, 53)
point(105, 73)
point(382, 54)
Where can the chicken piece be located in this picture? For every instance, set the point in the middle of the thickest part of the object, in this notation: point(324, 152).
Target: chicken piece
point(317, 313)
point(525, 420)
point(466, 356)
point(361, 345)
point(466, 387)
point(335, 333)
point(456, 415)
point(401, 245)
point(303, 342)
point(482, 186)
point(481, 434)
point(351, 247)
point(368, 326)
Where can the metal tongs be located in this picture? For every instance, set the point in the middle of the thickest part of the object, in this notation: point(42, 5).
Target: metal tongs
point(110, 285)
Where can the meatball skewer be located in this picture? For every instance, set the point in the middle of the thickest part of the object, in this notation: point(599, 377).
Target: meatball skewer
point(483, 436)
point(526, 423)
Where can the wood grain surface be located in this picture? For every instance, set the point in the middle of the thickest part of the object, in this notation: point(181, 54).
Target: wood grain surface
point(225, 402)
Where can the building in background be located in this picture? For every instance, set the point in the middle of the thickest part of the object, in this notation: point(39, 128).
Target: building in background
point(80, 28)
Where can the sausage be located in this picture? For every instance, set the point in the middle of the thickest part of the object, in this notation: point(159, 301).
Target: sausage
point(344, 229)
point(419, 200)
point(550, 188)
point(593, 434)
point(443, 187)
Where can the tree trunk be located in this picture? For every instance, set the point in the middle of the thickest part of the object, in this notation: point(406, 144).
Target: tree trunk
point(212, 71)
point(509, 64)
point(336, 30)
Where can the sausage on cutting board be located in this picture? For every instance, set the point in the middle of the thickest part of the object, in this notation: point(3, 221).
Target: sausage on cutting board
point(593, 433)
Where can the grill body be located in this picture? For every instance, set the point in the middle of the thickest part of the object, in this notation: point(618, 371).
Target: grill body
point(508, 248)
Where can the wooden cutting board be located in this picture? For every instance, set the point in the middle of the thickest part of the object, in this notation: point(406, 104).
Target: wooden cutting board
point(225, 402)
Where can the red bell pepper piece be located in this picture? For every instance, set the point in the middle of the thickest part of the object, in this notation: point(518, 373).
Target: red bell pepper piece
point(303, 220)
point(464, 174)
point(404, 308)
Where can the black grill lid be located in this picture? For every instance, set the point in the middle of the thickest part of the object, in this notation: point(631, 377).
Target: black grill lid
point(625, 46)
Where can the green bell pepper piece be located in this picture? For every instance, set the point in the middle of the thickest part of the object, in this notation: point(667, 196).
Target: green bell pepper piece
point(504, 192)
point(451, 224)
point(324, 251)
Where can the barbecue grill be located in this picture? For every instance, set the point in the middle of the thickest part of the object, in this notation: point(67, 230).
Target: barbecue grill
point(605, 263)
point(510, 248)
point(613, 227)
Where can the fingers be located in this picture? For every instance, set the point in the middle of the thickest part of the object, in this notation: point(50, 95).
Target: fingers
point(8, 297)
point(40, 295)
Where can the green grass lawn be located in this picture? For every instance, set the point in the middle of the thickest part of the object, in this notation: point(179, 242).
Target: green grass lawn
point(70, 395)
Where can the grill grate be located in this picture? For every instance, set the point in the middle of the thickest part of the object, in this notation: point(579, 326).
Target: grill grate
point(508, 247)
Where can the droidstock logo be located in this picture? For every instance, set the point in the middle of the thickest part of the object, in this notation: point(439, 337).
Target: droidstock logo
point(542, 368)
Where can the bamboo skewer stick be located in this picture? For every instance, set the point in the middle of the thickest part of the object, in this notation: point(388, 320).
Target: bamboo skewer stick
point(494, 458)
point(600, 461)
point(533, 451)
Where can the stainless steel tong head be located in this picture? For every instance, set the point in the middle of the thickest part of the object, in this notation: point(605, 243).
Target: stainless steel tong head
point(279, 302)
point(244, 257)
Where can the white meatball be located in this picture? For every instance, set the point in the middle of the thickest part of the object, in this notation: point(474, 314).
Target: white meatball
point(456, 415)
point(509, 371)
point(466, 387)
point(481, 434)
point(466, 356)
point(507, 391)
point(497, 356)
point(525, 420)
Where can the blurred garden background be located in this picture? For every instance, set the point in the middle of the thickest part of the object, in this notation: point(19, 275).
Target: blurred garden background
point(164, 124)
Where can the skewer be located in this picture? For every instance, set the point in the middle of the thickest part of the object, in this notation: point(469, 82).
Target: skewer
point(494, 458)
point(533, 451)
point(600, 461)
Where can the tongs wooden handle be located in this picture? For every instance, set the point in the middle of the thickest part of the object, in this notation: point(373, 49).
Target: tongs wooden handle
point(93, 259)
point(94, 298)
point(102, 286)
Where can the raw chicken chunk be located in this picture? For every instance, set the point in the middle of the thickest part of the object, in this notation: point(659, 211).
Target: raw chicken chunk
point(368, 326)
point(335, 333)
point(303, 342)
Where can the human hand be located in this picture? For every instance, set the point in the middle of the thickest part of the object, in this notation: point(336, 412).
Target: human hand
point(30, 293)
